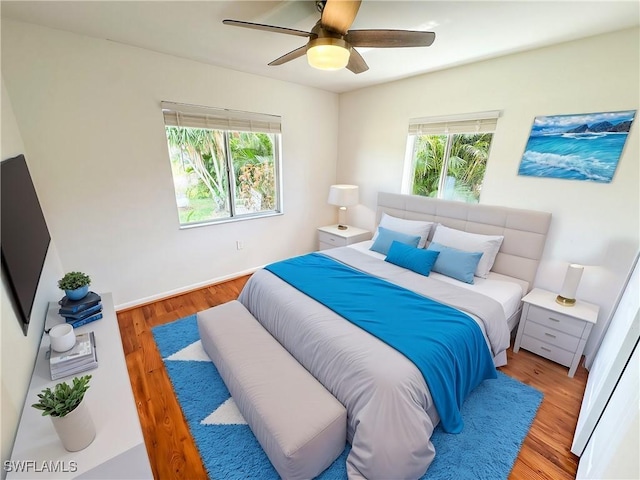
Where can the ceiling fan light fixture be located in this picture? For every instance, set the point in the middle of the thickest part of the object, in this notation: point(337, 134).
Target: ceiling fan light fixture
point(328, 53)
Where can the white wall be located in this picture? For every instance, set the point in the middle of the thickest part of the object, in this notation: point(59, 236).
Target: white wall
point(18, 352)
point(594, 224)
point(89, 113)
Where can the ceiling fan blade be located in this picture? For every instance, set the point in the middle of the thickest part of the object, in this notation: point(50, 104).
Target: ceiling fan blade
point(267, 28)
point(338, 15)
point(356, 62)
point(292, 55)
point(389, 38)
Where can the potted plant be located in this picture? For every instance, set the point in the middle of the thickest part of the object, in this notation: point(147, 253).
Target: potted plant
point(75, 285)
point(69, 414)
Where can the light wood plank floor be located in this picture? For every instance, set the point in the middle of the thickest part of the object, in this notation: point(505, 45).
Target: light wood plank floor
point(173, 454)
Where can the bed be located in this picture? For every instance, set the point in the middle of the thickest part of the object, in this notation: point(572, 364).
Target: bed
point(391, 409)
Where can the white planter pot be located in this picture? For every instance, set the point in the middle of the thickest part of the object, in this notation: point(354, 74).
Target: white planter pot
point(76, 430)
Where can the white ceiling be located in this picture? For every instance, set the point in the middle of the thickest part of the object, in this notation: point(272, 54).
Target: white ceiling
point(466, 31)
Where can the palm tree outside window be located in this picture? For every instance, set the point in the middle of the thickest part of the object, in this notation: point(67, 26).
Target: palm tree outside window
point(225, 164)
point(447, 156)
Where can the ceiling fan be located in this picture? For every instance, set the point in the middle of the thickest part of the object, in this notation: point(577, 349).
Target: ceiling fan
point(331, 43)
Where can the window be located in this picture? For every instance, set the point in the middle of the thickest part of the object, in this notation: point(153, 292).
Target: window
point(225, 164)
point(447, 156)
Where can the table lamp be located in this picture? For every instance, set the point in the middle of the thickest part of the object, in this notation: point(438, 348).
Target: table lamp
point(343, 196)
point(567, 296)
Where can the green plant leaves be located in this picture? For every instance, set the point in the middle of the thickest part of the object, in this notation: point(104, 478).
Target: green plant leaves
point(64, 398)
point(73, 280)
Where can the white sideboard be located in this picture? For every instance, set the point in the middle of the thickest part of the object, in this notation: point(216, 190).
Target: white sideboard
point(118, 451)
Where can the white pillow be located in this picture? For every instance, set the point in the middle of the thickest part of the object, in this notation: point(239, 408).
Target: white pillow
point(471, 242)
point(410, 227)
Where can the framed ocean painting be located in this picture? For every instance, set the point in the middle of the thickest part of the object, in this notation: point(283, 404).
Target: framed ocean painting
point(576, 147)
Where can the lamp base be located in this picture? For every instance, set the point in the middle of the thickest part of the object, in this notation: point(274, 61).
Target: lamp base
point(565, 302)
point(342, 227)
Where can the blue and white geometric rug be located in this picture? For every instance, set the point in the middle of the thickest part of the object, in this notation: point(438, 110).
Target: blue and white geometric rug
point(497, 416)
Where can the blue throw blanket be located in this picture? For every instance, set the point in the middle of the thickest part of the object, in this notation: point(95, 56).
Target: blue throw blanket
point(445, 344)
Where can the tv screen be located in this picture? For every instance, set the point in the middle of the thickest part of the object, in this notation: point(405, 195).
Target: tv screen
point(24, 235)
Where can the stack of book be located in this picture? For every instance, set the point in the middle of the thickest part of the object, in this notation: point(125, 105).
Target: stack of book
point(83, 311)
point(80, 358)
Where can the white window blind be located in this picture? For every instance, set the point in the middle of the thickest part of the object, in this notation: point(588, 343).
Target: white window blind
point(182, 115)
point(480, 122)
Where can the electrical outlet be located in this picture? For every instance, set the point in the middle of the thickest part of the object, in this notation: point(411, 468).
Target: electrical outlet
point(239, 245)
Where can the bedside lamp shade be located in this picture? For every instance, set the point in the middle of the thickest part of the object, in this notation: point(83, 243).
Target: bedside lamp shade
point(343, 196)
point(567, 296)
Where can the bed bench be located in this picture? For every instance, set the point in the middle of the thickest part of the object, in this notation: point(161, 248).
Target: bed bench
point(299, 424)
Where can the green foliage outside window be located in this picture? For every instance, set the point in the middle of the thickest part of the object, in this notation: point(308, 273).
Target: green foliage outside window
point(252, 155)
point(202, 175)
point(461, 174)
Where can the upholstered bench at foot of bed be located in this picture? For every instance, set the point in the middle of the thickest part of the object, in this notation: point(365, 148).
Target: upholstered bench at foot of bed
point(299, 424)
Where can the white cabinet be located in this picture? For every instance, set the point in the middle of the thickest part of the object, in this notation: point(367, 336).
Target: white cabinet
point(554, 331)
point(331, 236)
point(118, 451)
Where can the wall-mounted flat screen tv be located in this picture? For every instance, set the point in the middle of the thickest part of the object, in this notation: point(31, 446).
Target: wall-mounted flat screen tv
point(24, 235)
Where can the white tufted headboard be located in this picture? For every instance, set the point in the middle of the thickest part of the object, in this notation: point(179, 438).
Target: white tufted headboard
point(525, 231)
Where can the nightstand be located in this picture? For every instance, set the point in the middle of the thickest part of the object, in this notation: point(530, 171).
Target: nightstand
point(331, 237)
point(553, 331)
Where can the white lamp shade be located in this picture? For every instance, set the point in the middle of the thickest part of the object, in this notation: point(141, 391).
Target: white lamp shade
point(571, 281)
point(343, 195)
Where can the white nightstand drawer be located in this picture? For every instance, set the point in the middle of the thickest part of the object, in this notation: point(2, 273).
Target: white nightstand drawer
point(552, 331)
point(557, 321)
point(332, 236)
point(330, 239)
point(547, 350)
point(554, 337)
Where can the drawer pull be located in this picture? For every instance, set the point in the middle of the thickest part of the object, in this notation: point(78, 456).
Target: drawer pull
point(549, 335)
point(545, 349)
point(554, 319)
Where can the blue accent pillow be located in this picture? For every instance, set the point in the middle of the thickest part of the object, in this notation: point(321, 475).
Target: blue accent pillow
point(418, 260)
point(386, 237)
point(455, 263)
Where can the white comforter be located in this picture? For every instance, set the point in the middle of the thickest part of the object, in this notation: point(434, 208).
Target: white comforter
point(391, 415)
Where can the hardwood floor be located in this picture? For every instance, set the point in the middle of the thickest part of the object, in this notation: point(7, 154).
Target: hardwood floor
point(545, 453)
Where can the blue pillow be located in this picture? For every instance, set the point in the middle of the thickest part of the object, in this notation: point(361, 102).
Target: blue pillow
point(386, 237)
point(418, 260)
point(455, 263)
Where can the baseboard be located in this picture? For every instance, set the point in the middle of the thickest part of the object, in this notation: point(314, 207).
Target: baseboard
point(180, 291)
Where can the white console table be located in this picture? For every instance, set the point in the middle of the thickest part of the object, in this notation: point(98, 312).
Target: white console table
point(118, 451)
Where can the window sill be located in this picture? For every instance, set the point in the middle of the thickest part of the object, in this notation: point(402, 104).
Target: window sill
point(239, 218)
